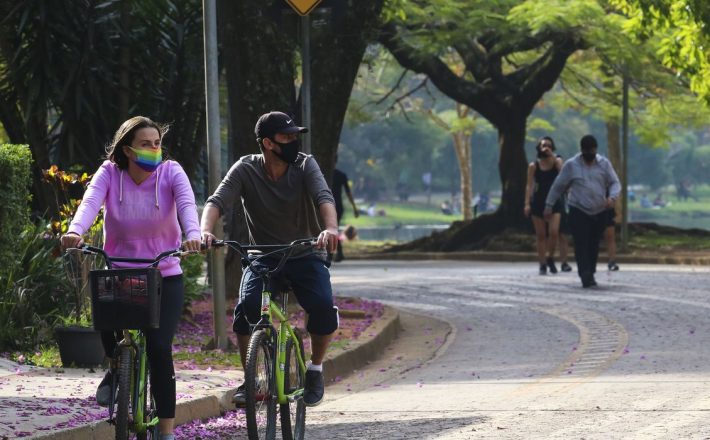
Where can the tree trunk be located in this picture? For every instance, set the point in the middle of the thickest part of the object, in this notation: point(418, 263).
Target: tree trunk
point(337, 48)
point(512, 166)
point(259, 78)
point(462, 146)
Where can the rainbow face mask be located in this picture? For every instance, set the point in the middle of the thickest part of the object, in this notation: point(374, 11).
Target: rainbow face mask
point(148, 160)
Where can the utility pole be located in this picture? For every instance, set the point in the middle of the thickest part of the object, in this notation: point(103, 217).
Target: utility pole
point(214, 155)
point(625, 164)
point(306, 84)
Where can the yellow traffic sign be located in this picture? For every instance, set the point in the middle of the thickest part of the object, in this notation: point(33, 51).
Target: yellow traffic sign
point(303, 7)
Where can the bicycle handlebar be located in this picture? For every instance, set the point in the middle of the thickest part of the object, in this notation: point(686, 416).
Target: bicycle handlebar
point(270, 249)
point(91, 250)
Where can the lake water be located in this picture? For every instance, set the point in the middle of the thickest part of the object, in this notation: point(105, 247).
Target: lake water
point(402, 233)
point(398, 233)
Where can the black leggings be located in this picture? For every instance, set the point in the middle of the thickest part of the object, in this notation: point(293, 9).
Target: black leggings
point(159, 346)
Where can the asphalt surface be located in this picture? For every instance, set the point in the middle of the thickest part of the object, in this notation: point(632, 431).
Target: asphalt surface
point(495, 351)
point(533, 356)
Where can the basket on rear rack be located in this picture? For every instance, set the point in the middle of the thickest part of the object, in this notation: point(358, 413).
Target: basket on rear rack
point(125, 298)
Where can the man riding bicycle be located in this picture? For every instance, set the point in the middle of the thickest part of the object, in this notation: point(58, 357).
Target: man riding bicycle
point(279, 190)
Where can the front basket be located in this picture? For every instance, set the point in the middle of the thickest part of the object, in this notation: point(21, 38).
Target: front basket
point(125, 298)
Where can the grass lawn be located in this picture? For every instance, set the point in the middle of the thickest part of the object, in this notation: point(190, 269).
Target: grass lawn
point(410, 213)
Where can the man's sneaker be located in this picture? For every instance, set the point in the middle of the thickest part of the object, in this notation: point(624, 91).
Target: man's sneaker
point(103, 392)
point(543, 269)
point(314, 389)
point(564, 267)
point(589, 281)
point(239, 399)
point(551, 265)
point(613, 266)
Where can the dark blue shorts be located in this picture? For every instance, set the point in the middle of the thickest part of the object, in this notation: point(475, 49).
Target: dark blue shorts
point(310, 280)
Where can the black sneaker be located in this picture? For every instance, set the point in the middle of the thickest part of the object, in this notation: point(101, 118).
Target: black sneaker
point(613, 266)
point(551, 265)
point(589, 282)
point(543, 269)
point(239, 399)
point(314, 389)
point(564, 267)
point(103, 392)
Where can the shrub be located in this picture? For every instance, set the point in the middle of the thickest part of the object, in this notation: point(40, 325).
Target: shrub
point(32, 290)
point(15, 163)
point(192, 267)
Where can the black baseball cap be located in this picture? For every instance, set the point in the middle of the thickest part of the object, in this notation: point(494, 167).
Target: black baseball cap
point(273, 122)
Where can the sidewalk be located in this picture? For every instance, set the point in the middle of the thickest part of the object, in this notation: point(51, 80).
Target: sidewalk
point(59, 404)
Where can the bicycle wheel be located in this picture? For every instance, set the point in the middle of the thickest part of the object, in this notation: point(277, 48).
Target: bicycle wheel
point(125, 365)
point(260, 387)
point(293, 414)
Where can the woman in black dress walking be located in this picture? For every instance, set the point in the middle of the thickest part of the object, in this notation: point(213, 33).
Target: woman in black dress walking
point(541, 173)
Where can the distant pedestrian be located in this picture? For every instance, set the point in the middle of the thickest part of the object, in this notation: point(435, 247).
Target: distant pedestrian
point(562, 238)
point(340, 183)
point(589, 177)
point(541, 173)
point(610, 239)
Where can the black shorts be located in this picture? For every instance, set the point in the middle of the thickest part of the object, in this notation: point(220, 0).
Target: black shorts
point(310, 279)
point(538, 207)
point(611, 217)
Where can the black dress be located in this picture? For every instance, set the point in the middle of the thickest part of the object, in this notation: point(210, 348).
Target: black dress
point(543, 183)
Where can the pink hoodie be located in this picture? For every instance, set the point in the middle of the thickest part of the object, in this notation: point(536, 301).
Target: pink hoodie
point(140, 221)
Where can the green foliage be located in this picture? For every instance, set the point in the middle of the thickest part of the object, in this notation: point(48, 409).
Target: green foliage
point(681, 33)
point(32, 290)
point(193, 272)
point(15, 163)
point(67, 188)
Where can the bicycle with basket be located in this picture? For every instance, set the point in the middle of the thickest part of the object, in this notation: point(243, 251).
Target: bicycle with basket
point(127, 300)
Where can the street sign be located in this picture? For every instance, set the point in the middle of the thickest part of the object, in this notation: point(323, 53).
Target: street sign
point(303, 7)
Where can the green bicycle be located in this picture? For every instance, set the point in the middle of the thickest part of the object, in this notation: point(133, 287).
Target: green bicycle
point(128, 300)
point(275, 369)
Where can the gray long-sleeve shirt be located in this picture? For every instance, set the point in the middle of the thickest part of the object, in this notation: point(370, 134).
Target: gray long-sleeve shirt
point(276, 212)
point(588, 184)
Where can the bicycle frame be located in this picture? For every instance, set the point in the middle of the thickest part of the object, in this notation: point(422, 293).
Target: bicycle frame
point(269, 308)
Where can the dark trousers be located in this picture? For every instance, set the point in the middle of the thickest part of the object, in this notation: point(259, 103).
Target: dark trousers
point(159, 346)
point(587, 232)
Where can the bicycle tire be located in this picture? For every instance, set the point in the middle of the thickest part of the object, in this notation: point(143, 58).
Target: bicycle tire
point(260, 386)
point(293, 414)
point(125, 365)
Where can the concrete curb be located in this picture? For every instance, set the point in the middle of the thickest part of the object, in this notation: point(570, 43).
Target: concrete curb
point(688, 259)
point(384, 330)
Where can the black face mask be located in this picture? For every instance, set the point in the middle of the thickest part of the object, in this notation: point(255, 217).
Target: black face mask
point(589, 157)
point(541, 154)
point(289, 151)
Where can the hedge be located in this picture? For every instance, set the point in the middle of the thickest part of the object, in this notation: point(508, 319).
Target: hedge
point(15, 163)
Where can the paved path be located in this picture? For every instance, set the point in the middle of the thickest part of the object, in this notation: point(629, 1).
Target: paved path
point(532, 356)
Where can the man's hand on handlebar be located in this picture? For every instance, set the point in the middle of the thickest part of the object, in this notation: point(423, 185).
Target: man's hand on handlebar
point(328, 240)
point(208, 238)
point(71, 240)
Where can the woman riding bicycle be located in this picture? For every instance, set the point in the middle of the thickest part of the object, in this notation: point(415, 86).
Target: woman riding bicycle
point(145, 201)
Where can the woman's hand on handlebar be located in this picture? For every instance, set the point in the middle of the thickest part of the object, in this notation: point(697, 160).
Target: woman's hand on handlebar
point(71, 240)
point(191, 245)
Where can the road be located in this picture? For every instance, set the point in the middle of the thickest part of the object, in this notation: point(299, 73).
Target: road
point(529, 356)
